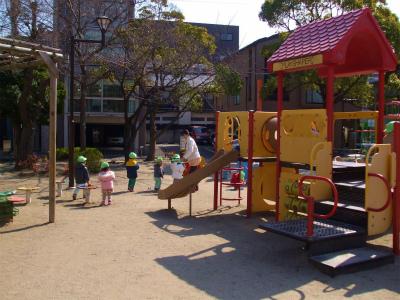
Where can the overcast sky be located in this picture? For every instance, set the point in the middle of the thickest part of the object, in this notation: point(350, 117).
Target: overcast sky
point(243, 13)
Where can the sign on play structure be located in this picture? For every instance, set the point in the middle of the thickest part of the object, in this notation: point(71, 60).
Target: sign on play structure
point(297, 63)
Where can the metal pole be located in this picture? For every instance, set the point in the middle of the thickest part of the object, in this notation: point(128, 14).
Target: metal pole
point(396, 202)
point(329, 101)
point(216, 173)
point(250, 164)
point(71, 135)
point(278, 144)
point(381, 107)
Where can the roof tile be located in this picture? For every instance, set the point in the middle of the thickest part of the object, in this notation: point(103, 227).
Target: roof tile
point(316, 37)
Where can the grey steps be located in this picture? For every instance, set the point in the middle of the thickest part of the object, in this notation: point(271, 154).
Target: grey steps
point(346, 213)
point(352, 260)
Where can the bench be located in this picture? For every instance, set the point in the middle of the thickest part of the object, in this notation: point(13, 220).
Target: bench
point(87, 189)
point(28, 191)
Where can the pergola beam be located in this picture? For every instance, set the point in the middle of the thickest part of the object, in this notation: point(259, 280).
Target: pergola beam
point(20, 65)
point(24, 50)
point(15, 54)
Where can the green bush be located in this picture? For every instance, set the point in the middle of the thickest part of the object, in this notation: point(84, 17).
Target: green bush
point(62, 153)
point(93, 155)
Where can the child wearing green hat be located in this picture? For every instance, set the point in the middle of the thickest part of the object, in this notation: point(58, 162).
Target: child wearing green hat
point(106, 178)
point(158, 173)
point(177, 167)
point(81, 178)
point(131, 171)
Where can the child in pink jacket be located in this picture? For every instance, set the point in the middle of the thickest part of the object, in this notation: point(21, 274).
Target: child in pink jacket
point(106, 178)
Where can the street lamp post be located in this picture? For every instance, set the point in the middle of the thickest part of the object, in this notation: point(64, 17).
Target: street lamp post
point(103, 22)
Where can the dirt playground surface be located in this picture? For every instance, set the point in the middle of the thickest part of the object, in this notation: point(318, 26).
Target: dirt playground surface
point(136, 249)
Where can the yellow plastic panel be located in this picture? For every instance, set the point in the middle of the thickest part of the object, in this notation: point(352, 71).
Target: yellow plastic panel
point(300, 131)
point(230, 123)
point(355, 115)
point(259, 149)
point(321, 159)
point(264, 187)
point(288, 177)
point(375, 189)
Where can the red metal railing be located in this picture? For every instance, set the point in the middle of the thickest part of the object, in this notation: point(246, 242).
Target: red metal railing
point(310, 202)
point(389, 191)
point(236, 185)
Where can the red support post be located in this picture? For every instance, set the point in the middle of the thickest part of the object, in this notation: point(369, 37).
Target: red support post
point(250, 164)
point(381, 108)
point(259, 94)
point(278, 144)
point(396, 202)
point(330, 101)
point(216, 173)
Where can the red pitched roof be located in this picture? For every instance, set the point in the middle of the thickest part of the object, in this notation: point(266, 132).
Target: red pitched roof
point(316, 37)
point(343, 40)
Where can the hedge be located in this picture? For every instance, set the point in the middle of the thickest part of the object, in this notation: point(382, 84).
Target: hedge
point(93, 155)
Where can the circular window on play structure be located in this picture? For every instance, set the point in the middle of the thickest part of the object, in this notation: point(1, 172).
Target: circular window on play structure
point(269, 134)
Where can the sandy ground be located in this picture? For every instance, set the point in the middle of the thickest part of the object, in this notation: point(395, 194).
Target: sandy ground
point(136, 249)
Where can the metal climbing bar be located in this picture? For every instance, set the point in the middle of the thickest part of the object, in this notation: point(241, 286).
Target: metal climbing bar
point(310, 202)
point(236, 185)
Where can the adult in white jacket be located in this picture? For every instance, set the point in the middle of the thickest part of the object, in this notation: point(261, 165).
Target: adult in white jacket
point(192, 154)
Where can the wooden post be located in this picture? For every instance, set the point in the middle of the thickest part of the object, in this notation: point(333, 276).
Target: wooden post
point(52, 148)
point(53, 71)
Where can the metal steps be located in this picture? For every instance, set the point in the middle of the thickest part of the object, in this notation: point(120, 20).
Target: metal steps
point(346, 213)
point(352, 260)
point(329, 235)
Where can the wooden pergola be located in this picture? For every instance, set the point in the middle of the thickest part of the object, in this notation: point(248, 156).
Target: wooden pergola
point(17, 54)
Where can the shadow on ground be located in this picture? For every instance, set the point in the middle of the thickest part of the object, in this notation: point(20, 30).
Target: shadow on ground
point(252, 264)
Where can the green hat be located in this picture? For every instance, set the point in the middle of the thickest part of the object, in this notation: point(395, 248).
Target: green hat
point(175, 157)
point(159, 159)
point(81, 159)
point(132, 155)
point(104, 165)
point(389, 127)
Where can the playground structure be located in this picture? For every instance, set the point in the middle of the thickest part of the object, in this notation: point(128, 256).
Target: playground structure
point(332, 204)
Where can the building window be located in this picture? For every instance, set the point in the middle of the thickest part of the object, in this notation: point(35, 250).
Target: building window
point(313, 97)
point(94, 90)
point(235, 99)
point(112, 90)
point(226, 36)
point(93, 105)
point(116, 106)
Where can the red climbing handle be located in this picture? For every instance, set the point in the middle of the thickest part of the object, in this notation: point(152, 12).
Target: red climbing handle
point(310, 202)
point(389, 192)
